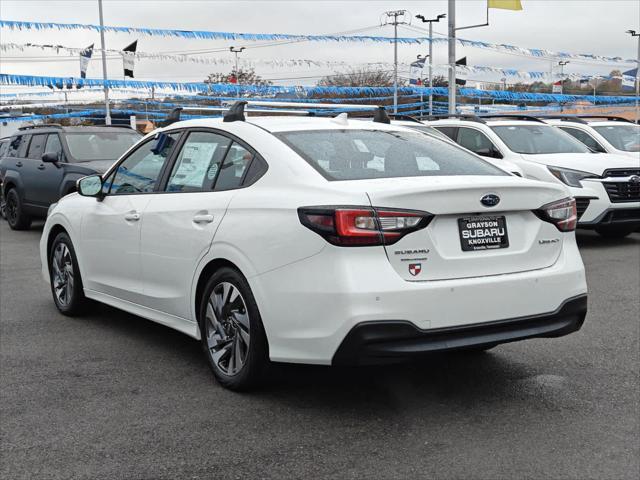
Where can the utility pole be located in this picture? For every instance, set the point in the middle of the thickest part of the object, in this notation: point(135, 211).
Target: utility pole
point(431, 20)
point(633, 33)
point(452, 56)
point(395, 18)
point(107, 110)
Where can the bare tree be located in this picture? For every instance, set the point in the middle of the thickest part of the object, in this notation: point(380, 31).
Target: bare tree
point(358, 78)
point(241, 77)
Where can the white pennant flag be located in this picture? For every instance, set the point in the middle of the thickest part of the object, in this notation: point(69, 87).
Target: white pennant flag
point(85, 56)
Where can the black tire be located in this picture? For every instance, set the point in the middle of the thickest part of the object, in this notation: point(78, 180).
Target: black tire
point(16, 217)
point(66, 281)
point(224, 335)
point(615, 232)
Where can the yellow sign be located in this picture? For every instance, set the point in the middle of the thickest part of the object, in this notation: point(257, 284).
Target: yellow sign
point(506, 4)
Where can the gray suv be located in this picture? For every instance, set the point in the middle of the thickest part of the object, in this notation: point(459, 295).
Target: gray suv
point(40, 164)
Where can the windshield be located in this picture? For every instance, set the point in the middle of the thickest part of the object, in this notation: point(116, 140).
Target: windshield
point(538, 139)
point(364, 154)
point(622, 137)
point(86, 146)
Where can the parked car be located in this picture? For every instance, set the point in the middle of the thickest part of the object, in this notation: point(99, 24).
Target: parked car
point(317, 240)
point(606, 186)
point(42, 163)
point(601, 134)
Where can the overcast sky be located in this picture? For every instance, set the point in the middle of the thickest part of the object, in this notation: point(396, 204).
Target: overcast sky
point(580, 26)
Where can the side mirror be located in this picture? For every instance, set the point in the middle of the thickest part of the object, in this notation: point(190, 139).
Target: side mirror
point(50, 157)
point(90, 186)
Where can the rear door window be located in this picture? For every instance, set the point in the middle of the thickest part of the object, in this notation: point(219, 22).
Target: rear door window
point(4, 147)
point(198, 163)
point(36, 148)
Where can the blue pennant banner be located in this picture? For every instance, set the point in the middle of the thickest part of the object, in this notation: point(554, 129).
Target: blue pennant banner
point(213, 35)
point(270, 90)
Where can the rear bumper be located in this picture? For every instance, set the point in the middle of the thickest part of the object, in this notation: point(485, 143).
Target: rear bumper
point(379, 342)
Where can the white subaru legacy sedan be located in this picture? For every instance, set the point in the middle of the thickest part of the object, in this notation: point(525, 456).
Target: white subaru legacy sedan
point(317, 240)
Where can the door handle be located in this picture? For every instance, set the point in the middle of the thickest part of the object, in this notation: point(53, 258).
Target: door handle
point(132, 216)
point(41, 166)
point(203, 218)
point(18, 164)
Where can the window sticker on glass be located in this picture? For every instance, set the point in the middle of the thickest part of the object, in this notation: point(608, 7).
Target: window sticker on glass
point(194, 164)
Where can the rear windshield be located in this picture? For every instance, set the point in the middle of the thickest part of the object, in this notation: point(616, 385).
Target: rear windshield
point(622, 137)
point(86, 146)
point(364, 154)
point(539, 139)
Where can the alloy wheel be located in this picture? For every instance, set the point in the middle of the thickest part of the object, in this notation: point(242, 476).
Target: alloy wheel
point(227, 328)
point(11, 209)
point(62, 268)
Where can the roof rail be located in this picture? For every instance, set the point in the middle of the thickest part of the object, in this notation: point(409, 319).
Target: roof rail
point(406, 118)
point(564, 118)
point(44, 125)
point(236, 111)
point(463, 116)
point(611, 118)
point(511, 116)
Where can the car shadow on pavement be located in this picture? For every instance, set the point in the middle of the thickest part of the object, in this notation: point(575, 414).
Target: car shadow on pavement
point(591, 239)
point(455, 375)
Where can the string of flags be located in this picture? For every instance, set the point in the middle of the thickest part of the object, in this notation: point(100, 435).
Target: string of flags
point(266, 90)
point(215, 35)
point(416, 69)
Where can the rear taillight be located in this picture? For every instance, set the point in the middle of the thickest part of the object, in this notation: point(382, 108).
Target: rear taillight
point(362, 226)
point(563, 214)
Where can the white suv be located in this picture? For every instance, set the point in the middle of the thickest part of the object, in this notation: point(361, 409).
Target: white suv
point(605, 186)
point(317, 240)
point(601, 134)
point(415, 124)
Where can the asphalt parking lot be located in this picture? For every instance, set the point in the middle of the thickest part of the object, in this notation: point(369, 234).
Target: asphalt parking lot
point(114, 396)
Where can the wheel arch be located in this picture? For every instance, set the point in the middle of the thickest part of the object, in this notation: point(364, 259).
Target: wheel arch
point(54, 231)
point(209, 269)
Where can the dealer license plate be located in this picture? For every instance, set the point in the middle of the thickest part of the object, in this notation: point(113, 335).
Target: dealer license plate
point(483, 233)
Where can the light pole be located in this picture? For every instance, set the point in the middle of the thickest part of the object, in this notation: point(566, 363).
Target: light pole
point(452, 55)
point(431, 20)
point(633, 33)
point(236, 51)
point(562, 63)
point(395, 18)
point(107, 110)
